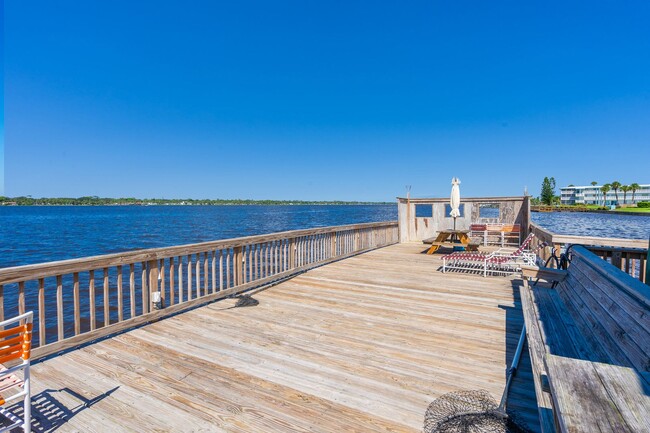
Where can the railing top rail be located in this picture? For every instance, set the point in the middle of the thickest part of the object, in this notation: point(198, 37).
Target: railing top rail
point(463, 200)
point(589, 240)
point(44, 270)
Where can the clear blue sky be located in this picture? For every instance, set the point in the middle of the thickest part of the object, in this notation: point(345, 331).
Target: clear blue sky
point(323, 100)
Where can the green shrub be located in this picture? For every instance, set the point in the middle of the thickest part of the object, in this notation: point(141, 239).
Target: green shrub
point(643, 204)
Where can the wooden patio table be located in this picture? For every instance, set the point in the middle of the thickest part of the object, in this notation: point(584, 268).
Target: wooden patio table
point(446, 238)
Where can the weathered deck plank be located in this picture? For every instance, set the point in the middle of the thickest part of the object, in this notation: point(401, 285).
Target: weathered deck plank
point(360, 345)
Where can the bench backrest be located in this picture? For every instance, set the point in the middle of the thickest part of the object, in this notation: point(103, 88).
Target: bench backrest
point(610, 309)
point(513, 228)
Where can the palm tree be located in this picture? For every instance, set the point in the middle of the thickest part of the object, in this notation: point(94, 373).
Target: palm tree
point(615, 186)
point(605, 189)
point(633, 188)
point(625, 189)
point(594, 183)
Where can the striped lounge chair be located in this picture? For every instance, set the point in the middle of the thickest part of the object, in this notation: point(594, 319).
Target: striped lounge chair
point(15, 348)
point(500, 262)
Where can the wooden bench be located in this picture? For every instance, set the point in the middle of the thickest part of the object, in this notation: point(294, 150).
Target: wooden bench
point(511, 235)
point(591, 315)
point(496, 234)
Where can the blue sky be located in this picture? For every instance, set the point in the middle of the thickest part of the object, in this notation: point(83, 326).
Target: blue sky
point(323, 100)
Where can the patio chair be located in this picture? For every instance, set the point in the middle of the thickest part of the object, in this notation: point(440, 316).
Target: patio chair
point(500, 261)
point(16, 344)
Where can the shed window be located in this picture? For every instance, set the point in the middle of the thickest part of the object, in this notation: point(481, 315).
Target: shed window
point(423, 210)
point(461, 209)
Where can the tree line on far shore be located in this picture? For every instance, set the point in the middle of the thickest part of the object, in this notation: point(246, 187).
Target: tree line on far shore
point(104, 201)
point(548, 197)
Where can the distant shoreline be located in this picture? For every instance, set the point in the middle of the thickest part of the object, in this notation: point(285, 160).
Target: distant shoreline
point(99, 201)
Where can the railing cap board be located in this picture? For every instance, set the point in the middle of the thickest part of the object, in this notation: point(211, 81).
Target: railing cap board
point(555, 238)
point(540, 230)
point(463, 200)
point(50, 269)
point(601, 242)
point(635, 288)
point(600, 248)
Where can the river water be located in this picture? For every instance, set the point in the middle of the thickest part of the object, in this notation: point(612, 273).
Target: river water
point(46, 233)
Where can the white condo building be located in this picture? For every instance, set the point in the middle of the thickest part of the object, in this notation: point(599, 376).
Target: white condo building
point(593, 195)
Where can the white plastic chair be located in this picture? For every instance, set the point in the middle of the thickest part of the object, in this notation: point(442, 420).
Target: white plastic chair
point(16, 344)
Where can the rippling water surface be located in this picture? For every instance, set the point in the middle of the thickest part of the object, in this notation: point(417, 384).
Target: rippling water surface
point(45, 233)
point(41, 234)
point(595, 224)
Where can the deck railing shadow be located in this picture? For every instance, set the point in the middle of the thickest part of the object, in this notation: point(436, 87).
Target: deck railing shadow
point(49, 413)
point(522, 383)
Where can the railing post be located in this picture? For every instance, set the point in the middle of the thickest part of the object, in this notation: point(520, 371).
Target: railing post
point(557, 250)
point(333, 235)
point(153, 281)
point(238, 268)
point(616, 258)
point(292, 253)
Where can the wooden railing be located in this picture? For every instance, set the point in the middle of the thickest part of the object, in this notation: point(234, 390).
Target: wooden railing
point(629, 255)
point(77, 301)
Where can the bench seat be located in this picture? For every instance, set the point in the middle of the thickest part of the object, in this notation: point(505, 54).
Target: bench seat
point(618, 398)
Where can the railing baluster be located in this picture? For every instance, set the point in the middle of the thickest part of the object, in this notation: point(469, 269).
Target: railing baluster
point(91, 299)
point(41, 312)
point(107, 312)
point(144, 288)
point(172, 274)
point(198, 275)
point(248, 264)
point(228, 268)
point(120, 295)
point(180, 279)
point(59, 307)
point(214, 271)
point(206, 273)
point(189, 277)
point(132, 288)
point(220, 270)
point(163, 280)
point(154, 273)
point(21, 297)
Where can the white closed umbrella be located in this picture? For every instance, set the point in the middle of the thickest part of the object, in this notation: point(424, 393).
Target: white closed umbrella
point(454, 201)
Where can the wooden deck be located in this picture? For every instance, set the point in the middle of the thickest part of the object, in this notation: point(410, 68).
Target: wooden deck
point(364, 344)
